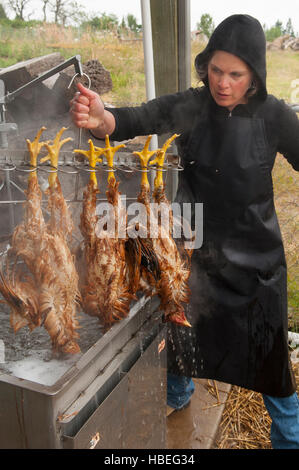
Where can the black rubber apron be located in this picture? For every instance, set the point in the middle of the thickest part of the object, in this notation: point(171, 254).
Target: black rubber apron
point(238, 305)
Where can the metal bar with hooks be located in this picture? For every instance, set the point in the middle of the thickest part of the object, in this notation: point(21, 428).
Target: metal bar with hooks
point(123, 160)
point(75, 60)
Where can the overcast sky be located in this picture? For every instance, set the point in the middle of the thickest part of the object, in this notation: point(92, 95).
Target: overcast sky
point(265, 11)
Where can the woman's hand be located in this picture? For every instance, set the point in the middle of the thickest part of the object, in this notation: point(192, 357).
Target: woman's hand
point(87, 110)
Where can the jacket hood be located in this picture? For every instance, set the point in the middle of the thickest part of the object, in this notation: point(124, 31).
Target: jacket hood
point(243, 36)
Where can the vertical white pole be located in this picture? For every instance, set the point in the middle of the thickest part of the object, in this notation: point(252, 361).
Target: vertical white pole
point(148, 57)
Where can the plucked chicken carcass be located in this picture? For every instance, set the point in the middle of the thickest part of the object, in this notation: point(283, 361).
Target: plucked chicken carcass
point(170, 280)
point(58, 278)
point(18, 285)
point(142, 261)
point(49, 288)
point(105, 291)
point(173, 288)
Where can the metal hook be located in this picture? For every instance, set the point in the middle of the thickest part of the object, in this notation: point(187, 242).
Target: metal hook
point(159, 168)
point(87, 168)
point(177, 167)
point(52, 170)
point(31, 169)
point(83, 75)
point(105, 168)
point(143, 170)
point(89, 85)
point(125, 168)
point(69, 172)
point(8, 167)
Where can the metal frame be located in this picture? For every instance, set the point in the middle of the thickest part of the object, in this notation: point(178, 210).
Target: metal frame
point(70, 412)
point(9, 97)
point(75, 60)
point(70, 163)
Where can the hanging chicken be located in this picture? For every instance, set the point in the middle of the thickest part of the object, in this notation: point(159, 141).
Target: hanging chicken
point(173, 287)
point(170, 279)
point(59, 295)
point(141, 257)
point(44, 290)
point(105, 291)
point(18, 285)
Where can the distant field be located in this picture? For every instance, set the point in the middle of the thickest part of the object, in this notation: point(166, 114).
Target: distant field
point(125, 62)
point(124, 59)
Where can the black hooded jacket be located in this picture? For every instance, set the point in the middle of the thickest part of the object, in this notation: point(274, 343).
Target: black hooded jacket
point(243, 36)
point(238, 305)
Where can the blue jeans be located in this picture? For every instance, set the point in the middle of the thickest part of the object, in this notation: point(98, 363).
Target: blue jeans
point(284, 412)
point(179, 390)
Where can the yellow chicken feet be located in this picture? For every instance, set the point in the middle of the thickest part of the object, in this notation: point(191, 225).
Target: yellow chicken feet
point(92, 155)
point(34, 149)
point(145, 155)
point(53, 154)
point(109, 154)
point(61, 219)
point(159, 160)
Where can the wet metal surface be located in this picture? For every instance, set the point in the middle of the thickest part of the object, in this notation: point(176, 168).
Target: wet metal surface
point(196, 426)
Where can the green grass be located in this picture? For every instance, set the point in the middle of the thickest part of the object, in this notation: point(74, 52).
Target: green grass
point(283, 68)
point(286, 184)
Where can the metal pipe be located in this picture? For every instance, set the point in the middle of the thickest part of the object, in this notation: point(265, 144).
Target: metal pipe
point(10, 208)
point(4, 127)
point(148, 58)
point(184, 67)
point(184, 45)
point(75, 60)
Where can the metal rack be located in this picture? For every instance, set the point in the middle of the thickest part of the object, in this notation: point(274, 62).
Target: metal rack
point(70, 164)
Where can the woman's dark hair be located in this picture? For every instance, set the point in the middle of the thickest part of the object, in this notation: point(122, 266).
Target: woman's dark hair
point(202, 68)
point(202, 73)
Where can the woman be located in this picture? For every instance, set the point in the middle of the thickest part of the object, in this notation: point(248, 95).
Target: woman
point(230, 131)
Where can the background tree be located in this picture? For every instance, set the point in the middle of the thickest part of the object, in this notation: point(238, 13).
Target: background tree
point(289, 28)
point(274, 32)
point(279, 30)
point(45, 3)
point(206, 25)
point(279, 25)
point(59, 8)
point(18, 7)
point(2, 12)
point(132, 24)
point(76, 13)
point(103, 22)
point(123, 24)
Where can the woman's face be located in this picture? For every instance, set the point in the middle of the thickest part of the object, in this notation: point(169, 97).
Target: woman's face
point(229, 79)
